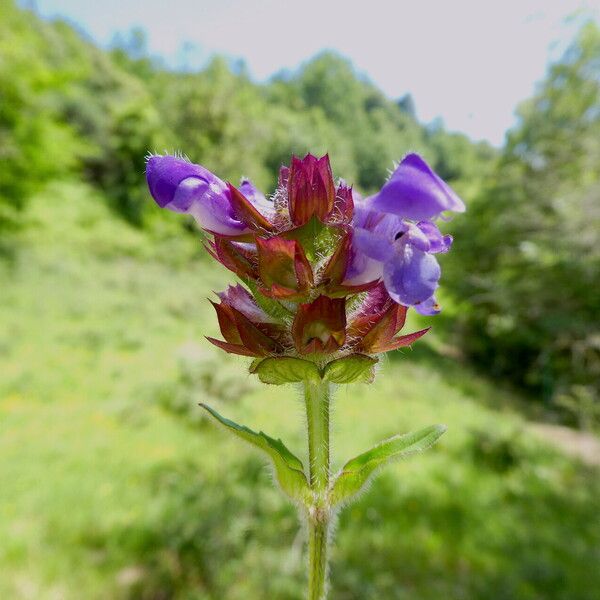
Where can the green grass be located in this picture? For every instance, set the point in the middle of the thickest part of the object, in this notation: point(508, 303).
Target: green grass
point(111, 489)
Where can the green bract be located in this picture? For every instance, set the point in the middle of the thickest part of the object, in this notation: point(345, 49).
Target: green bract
point(356, 368)
point(285, 369)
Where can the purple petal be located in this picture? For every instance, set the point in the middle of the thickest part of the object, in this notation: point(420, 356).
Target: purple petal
point(372, 245)
point(362, 269)
point(252, 192)
point(411, 276)
point(375, 233)
point(428, 307)
point(257, 198)
point(416, 237)
point(438, 243)
point(165, 173)
point(181, 186)
point(415, 192)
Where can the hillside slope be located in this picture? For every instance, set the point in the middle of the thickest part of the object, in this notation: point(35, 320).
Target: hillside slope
point(114, 487)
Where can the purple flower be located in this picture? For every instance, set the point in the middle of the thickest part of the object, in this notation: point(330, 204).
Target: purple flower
point(415, 192)
point(181, 186)
point(388, 243)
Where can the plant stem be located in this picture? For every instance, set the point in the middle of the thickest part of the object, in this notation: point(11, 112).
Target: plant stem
point(317, 397)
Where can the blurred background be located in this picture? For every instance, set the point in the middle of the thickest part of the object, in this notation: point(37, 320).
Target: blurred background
point(112, 485)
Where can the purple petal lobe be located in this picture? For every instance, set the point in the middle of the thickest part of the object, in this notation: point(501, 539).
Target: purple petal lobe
point(186, 193)
point(428, 307)
point(438, 243)
point(165, 173)
point(415, 192)
point(372, 245)
point(411, 276)
point(416, 237)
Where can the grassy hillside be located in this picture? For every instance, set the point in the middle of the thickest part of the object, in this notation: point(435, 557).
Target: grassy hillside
point(112, 485)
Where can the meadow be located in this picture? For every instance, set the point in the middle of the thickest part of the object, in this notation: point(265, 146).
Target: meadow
point(113, 485)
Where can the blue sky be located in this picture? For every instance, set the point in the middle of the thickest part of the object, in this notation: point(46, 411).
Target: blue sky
point(469, 62)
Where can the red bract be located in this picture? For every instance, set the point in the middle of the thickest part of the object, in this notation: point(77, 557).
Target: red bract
point(246, 211)
point(283, 268)
point(335, 270)
point(242, 336)
point(311, 190)
point(320, 326)
point(238, 257)
point(377, 324)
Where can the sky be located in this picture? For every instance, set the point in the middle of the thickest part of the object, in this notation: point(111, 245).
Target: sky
point(468, 62)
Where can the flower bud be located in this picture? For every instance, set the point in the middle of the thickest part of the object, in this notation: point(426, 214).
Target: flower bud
point(311, 190)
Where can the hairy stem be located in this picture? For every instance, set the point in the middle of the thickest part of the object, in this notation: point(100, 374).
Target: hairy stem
point(317, 397)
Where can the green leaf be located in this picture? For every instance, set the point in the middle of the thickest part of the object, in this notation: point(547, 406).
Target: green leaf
point(351, 369)
point(289, 469)
point(285, 369)
point(356, 472)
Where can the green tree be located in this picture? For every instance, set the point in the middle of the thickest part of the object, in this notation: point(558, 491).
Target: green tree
point(531, 258)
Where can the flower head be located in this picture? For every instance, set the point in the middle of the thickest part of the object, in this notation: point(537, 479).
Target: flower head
point(326, 273)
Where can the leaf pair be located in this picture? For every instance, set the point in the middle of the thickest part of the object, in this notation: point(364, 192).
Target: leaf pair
point(353, 476)
point(287, 369)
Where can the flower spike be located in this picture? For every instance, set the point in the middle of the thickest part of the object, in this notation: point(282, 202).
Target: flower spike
point(328, 281)
point(311, 247)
